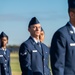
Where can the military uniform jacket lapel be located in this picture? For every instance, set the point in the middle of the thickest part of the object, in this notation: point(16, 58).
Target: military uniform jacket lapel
point(71, 32)
point(36, 46)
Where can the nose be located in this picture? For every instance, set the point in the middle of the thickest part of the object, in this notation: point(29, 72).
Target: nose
point(37, 28)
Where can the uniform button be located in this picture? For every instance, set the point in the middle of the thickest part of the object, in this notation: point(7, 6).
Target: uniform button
point(5, 68)
point(46, 52)
point(43, 59)
point(44, 66)
point(5, 60)
point(5, 64)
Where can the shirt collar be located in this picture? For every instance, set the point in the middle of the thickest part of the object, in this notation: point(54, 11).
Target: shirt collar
point(35, 40)
point(72, 27)
point(3, 49)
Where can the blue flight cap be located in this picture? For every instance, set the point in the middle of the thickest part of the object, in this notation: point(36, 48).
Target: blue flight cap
point(42, 29)
point(33, 21)
point(3, 35)
point(71, 3)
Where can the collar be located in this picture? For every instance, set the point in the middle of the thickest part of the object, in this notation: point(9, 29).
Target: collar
point(72, 27)
point(4, 49)
point(35, 40)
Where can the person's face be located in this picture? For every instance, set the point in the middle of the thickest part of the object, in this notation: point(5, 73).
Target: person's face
point(4, 41)
point(42, 36)
point(72, 15)
point(35, 30)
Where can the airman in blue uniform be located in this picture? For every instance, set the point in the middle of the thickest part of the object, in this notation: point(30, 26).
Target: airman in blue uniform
point(63, 46)
point(4, 56)
point(33, 54)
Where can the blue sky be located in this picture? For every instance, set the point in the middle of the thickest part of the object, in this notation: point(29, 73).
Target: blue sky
point(16, 14)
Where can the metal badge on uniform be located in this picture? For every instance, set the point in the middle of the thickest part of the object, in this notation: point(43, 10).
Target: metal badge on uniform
point(34, 50)
point(71, 32)
point(23, 53)
point(1, 55)
point(72, 44)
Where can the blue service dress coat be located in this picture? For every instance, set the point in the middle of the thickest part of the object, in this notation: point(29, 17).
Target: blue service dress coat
point(34, 61)
point(5, 62)
point(63, 51)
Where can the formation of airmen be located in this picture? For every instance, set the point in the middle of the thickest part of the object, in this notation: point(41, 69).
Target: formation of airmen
point(34, 54)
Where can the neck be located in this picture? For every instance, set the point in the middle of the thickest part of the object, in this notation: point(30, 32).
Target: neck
point(73, 23)
point(36, 37)
point(4, 47)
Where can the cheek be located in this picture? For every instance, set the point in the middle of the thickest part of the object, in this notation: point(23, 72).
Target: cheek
point(31, 31)
point(42, 37)
point(5, 42)
point(34, 29)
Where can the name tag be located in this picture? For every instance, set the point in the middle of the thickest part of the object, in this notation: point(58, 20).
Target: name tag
point(72, 44)
point(34, 50)
point(1, 55)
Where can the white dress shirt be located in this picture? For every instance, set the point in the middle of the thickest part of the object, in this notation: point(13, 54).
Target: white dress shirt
point(35, 40)
point(72, 27)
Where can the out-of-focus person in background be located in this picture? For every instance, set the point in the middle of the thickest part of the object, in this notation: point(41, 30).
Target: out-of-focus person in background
point(42, 35)
point(33, 54)
point(63, 46)
point(5, 68)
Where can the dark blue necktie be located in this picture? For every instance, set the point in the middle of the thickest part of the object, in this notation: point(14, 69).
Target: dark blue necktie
point(39, 44)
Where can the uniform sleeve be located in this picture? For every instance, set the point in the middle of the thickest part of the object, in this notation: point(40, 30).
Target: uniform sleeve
point(57, 53)
point(25, 60)
point(0, 69)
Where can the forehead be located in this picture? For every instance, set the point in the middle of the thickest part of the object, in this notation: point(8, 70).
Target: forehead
point(4, 37)
point(72, 9)
point(36, 25)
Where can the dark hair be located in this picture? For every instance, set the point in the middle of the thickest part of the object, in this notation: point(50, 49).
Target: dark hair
point(71, 10)
point(68, 10)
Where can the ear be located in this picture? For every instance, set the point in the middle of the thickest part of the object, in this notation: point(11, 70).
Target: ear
point(72, 15)
point(29, 29)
